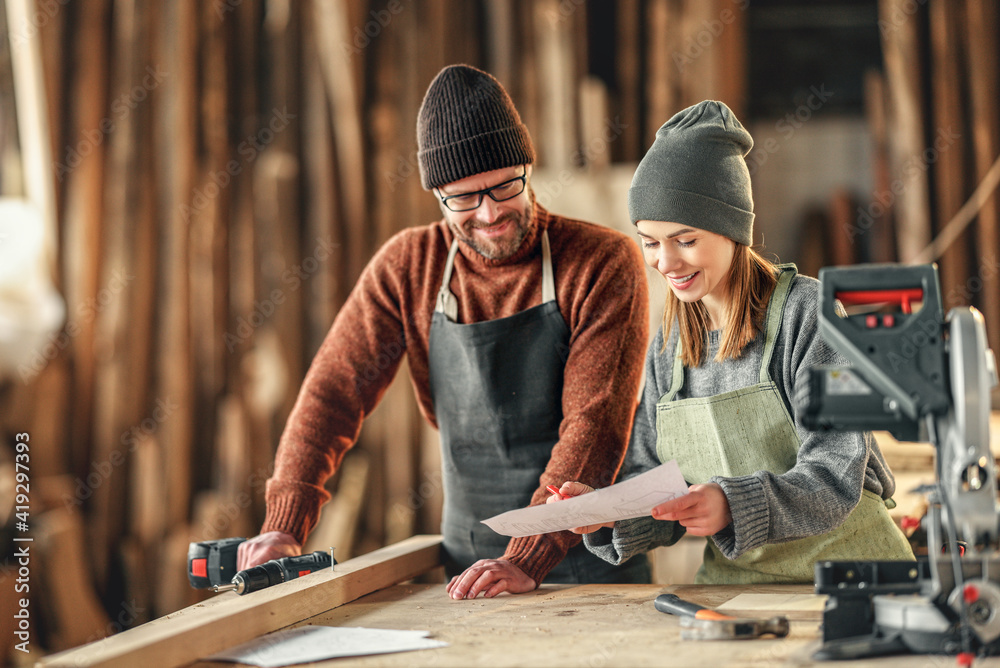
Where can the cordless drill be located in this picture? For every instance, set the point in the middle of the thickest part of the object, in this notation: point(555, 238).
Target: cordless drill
point(212, 563)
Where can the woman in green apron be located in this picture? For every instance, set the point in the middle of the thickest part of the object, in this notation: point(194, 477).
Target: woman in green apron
point(739, 334)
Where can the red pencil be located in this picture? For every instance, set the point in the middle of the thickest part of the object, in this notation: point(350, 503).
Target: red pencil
point(555, 490)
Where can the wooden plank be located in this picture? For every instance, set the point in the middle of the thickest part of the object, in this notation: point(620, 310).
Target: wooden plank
point(880, 239)
point(982, 18)
point(338, 523)
point(82, 219)
point(949, 168)
point(805, 607)
point(229, 619)
point(330, 23)
point(630, 88)
point(732, 62)
point(32, 117)
point(555, 138)
point(905, 118)
point(174, 140)
point(663, 71)
point(327, 291)
point(75, 615)
point(122, 321)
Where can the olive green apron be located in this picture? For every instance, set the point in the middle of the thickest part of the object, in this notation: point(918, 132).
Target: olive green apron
point(747, 430)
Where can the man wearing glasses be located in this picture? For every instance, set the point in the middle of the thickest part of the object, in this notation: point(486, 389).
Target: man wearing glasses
point(525, 334)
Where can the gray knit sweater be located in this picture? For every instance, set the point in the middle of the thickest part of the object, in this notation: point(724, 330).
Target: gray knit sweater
point(813, 497)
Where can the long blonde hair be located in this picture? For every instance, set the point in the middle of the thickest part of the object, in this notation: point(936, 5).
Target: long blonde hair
point(752, 280)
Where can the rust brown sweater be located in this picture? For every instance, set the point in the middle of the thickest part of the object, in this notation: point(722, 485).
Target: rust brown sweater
point(602, 295)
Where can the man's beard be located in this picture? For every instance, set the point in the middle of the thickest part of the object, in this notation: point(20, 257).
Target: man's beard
point(503, 248)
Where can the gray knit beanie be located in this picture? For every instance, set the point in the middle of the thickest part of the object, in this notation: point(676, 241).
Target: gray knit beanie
point(468, 125)
point(695, 173)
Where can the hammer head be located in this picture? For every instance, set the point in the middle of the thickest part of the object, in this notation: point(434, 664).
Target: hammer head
point(732, 629)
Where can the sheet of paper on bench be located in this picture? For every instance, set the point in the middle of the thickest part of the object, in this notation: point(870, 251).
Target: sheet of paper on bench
point(633, 498)
point(307, 644)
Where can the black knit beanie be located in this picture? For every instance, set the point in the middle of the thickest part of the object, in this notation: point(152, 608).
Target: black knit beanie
point(695, 173)
point(468, 125)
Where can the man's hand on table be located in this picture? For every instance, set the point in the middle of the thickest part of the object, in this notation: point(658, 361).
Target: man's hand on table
point(490, 577)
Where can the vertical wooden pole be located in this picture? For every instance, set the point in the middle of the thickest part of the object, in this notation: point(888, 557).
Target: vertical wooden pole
point(982, 19)
point(948, 165)
point(905, 119)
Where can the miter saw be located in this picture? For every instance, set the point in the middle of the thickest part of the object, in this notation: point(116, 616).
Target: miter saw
point(922, 377)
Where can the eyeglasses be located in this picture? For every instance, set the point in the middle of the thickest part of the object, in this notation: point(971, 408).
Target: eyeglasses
point(498, 193)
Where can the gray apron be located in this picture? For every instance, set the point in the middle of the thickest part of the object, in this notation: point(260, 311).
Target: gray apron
point(747, 430)
point(497, 393)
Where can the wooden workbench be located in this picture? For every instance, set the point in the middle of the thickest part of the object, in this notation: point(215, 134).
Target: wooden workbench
point(564, 626)
point(555, 626)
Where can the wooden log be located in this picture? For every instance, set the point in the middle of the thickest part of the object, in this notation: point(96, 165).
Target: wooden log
point(229, 619)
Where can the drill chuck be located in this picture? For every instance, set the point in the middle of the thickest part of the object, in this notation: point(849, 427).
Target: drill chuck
point(259, 577)
point(275, 572)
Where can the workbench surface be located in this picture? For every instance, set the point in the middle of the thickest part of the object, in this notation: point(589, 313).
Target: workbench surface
point(560, 626)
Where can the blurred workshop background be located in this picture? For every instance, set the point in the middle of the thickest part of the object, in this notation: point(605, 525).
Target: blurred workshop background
point(190, 189)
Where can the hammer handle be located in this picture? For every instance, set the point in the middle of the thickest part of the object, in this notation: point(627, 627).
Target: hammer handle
point(674, 605)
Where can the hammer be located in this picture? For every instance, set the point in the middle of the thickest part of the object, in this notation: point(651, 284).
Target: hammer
point(700, 623)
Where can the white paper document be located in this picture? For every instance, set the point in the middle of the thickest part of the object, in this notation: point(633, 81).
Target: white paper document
point(307, 644)
point(633, 498)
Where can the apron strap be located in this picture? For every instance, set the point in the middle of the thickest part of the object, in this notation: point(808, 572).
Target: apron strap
point(772, 324)
point(447, 303)
point(775, 312)
point(548, 282)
